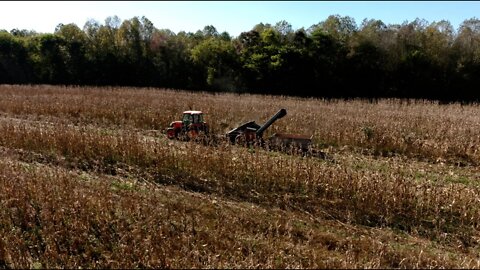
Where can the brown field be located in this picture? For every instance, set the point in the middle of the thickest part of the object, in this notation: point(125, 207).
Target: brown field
point(88, 179)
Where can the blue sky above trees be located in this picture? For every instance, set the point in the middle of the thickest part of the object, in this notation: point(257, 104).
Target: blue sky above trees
point(233, 17)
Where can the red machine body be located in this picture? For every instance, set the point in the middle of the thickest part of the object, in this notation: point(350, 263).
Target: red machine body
point(190, 127)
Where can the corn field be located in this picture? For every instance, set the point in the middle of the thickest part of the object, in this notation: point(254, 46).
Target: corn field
point(88, 179)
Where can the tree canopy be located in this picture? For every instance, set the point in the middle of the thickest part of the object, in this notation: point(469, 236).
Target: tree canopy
point(335, 58)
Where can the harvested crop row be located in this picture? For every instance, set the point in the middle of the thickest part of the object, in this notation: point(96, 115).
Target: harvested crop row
point(51, 217)
point(447, 212)
point(417, 129)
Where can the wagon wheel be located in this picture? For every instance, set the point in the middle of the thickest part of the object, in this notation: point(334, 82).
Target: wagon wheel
point(240, 139)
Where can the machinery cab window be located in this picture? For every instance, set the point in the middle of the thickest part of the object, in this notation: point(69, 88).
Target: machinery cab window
point(187, 119)
point(197, 118)
point(192, 118)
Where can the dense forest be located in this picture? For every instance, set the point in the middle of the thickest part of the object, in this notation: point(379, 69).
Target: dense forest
point(335, 58)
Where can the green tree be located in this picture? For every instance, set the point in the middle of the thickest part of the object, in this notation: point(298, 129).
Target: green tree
point(134, 37)
point(328, 62)
point(75, 59)
point(49, 57)
point(340, 28)
point(217, 57)
point(261, 57)
point(210, 31)
point(15, 66)
point(468, 40)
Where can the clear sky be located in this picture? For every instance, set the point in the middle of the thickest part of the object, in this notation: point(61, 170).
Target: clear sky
point(231, 16)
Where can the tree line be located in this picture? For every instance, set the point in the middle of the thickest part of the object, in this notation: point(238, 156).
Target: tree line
point(335, 58)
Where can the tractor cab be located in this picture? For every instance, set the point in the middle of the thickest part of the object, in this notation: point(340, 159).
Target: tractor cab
point(192, 123)
point(192, 117)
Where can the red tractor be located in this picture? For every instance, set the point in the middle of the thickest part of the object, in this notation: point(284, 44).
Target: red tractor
point(190, 127)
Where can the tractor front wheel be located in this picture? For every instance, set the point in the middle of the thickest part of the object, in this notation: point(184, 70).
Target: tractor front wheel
point(171, 134)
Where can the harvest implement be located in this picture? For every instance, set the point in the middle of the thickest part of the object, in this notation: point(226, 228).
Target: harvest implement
point(251, 133)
